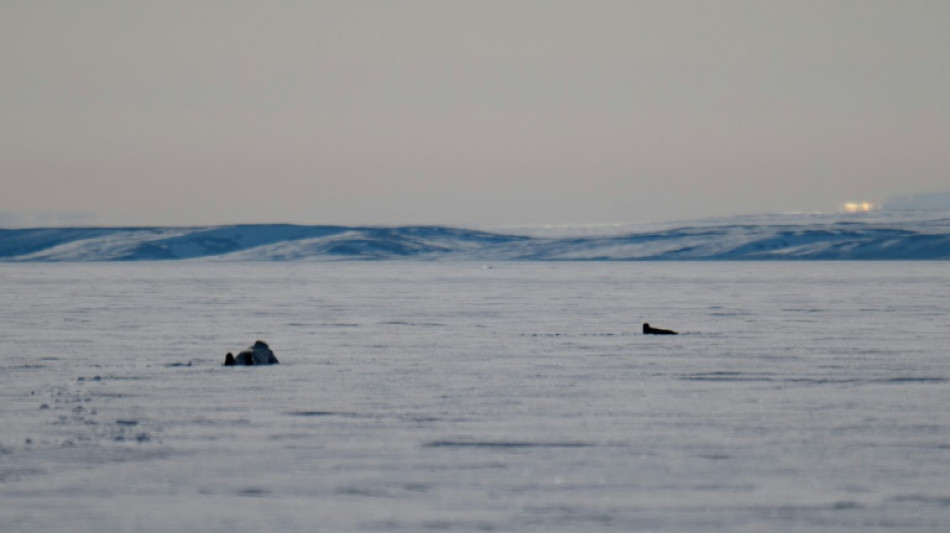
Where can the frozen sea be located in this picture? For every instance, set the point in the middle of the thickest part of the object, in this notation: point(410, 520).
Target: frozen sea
point(511, 397)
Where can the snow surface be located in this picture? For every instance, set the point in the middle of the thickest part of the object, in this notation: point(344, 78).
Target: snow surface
point(421, 396)
point(882, 235)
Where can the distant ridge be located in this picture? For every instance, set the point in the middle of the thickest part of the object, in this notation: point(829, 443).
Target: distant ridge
point(890, 236)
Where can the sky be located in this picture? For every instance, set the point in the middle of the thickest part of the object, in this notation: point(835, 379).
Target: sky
point(466, 113)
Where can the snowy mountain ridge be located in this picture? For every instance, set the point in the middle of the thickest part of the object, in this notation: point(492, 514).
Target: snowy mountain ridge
point(884, 236)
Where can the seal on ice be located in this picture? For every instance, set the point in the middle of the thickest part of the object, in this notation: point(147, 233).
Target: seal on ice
point(258, 354)
point(650, 330)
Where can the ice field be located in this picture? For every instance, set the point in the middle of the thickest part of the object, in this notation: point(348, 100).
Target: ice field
point(879, 235)
point(470, 396)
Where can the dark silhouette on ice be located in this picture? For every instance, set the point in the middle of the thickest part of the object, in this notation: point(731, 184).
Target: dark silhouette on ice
point(650, 330)
point(258, 354)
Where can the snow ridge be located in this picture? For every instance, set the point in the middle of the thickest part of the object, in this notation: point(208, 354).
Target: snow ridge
point(890, 236)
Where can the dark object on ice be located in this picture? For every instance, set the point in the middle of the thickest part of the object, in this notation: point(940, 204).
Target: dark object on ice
point(649, 330)
point(258, 354)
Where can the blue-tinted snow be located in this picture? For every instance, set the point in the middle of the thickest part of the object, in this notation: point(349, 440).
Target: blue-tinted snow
point(883, 235)
point(443, 396)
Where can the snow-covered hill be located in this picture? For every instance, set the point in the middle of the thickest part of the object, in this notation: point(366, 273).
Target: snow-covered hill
point(883, 235)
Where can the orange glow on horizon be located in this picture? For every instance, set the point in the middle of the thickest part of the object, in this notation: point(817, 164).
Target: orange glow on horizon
point(858, 207)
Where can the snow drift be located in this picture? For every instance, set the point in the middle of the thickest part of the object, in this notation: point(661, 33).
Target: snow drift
point(886, 235)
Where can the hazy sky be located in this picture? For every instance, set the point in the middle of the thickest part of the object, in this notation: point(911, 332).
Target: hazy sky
point(466, 113)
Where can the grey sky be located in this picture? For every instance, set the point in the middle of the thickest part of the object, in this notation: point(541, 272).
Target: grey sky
point(466, 113)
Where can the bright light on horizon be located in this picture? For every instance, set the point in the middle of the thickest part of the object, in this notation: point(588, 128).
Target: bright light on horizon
point(859, 207)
